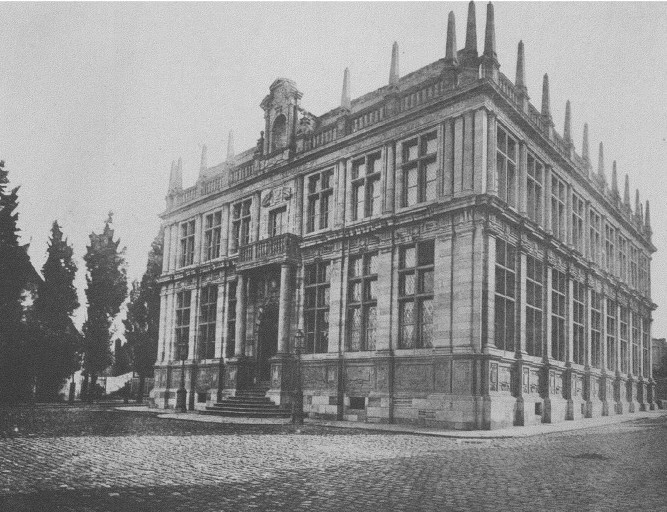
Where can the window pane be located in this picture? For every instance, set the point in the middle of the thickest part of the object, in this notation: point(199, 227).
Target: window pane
point(408, 259)
point(426, 253)
point(426, 281)
point(407, 286)
point(410, 150)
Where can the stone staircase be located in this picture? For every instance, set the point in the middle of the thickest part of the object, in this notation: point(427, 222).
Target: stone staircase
point(248, 403)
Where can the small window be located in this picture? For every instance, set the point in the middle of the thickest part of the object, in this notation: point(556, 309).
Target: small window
point(358, 402)
point(538, 408)
point(201, 398)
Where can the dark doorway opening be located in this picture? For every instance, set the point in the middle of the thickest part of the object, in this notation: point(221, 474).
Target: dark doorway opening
point(267, 341)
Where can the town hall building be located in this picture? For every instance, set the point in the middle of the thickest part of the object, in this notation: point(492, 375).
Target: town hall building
point(433, 252)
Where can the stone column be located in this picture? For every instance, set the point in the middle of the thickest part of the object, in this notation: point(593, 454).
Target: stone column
point(340, 176)
point(173, 252)
point(468, 163)
point(161, 329)
point(194, 321)
point(167, 249)
point(220, 319)
point(521, 198)
point(256, 204)
point(224, 230)
point(458, 155)
point(481, 152)
point(520, 284)
point(390, 176)
point(448, 158)
point(285, 308)
point(298, 205)
point(491, 176)
point(199, 235)
point(547, 199)
point(169, 326)
point(240, 315)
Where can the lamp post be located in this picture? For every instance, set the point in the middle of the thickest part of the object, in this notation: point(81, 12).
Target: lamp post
point(180, 392)
point(297, 402)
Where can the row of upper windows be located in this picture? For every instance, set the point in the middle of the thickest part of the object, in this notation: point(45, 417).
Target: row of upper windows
point(607, 247)
point(415, 296)
point(418, 173)
point(537, 310)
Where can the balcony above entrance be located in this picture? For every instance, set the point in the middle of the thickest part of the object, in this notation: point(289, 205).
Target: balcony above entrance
point(278, 249)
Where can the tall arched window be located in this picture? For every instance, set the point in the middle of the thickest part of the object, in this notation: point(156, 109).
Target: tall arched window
point(279, 133)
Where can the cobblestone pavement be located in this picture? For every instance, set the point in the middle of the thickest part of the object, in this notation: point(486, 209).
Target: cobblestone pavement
point(96, 459)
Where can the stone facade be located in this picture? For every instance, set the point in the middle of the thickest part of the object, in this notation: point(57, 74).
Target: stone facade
point(448, 256)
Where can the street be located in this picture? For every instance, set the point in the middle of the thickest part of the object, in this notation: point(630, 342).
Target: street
point(90, 458)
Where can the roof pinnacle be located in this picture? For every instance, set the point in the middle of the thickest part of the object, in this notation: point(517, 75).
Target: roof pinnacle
point(393, 70)
point(345, 101)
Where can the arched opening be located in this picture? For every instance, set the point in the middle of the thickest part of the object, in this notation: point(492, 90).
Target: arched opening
point(279, 133)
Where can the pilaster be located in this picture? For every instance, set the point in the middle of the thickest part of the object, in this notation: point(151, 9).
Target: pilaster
point(492, 140)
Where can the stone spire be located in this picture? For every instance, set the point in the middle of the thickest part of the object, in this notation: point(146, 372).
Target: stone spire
point(393, 70)
point(230, 145)
point(520, 81)
point(614, 180)
point(626, 192)
point(601, 172)
point(490, 34)
point(641, 213)
point(647, 217)
point(450, 50)
point(204, 162)
point(489, 60)
point(638, 204)
point(345, 101)
point(175, 178)
point(584, 145)
point(567, 129)
point(470, 49)
point(546, 110)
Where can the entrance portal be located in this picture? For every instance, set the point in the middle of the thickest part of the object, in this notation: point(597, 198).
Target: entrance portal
point(267, 341)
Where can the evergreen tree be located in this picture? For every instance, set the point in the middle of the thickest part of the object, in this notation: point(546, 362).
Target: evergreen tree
point(143, 315)
point(15, 374)
point(58, 341)
point(106, 290)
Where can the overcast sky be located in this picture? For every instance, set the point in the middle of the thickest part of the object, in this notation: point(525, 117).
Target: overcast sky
point(96, 99)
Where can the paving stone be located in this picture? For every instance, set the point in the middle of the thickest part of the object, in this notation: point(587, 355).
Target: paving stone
point(85, 459)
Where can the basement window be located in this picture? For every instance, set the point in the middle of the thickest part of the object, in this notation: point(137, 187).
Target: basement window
point(358, 402)
point(201, 398)
point(538, 408)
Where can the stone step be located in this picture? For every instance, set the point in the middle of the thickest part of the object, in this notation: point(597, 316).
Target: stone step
point(244, 405)
point(248, 413)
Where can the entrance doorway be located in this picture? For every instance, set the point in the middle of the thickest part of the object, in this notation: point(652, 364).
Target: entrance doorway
point(267, 341)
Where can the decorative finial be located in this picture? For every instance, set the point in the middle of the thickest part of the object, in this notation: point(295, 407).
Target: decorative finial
point(393, 70)
point(567, 129)
point(584, 145)
point(471, 33)
point(637, 204)
point(230, 145)
point(345, 101)
point(546, 111)
point(601, 172)
point(450, 50)
point(490, 33)
point(626, 192)
point(647, 216)
point(204, 164)
point(614, 180)
point(175, 178)
point(520, 81)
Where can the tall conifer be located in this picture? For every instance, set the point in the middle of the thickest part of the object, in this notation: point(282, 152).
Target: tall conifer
point(106, 291)
point(143, 315)
point(58, 342)
point(15, 375)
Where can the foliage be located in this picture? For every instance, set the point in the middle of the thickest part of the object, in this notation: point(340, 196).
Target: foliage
point(143, 314)
point(106, 290)
point(57, 343)
point(15, 275)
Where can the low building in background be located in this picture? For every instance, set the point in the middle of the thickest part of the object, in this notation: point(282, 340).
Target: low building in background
point(449, 257)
